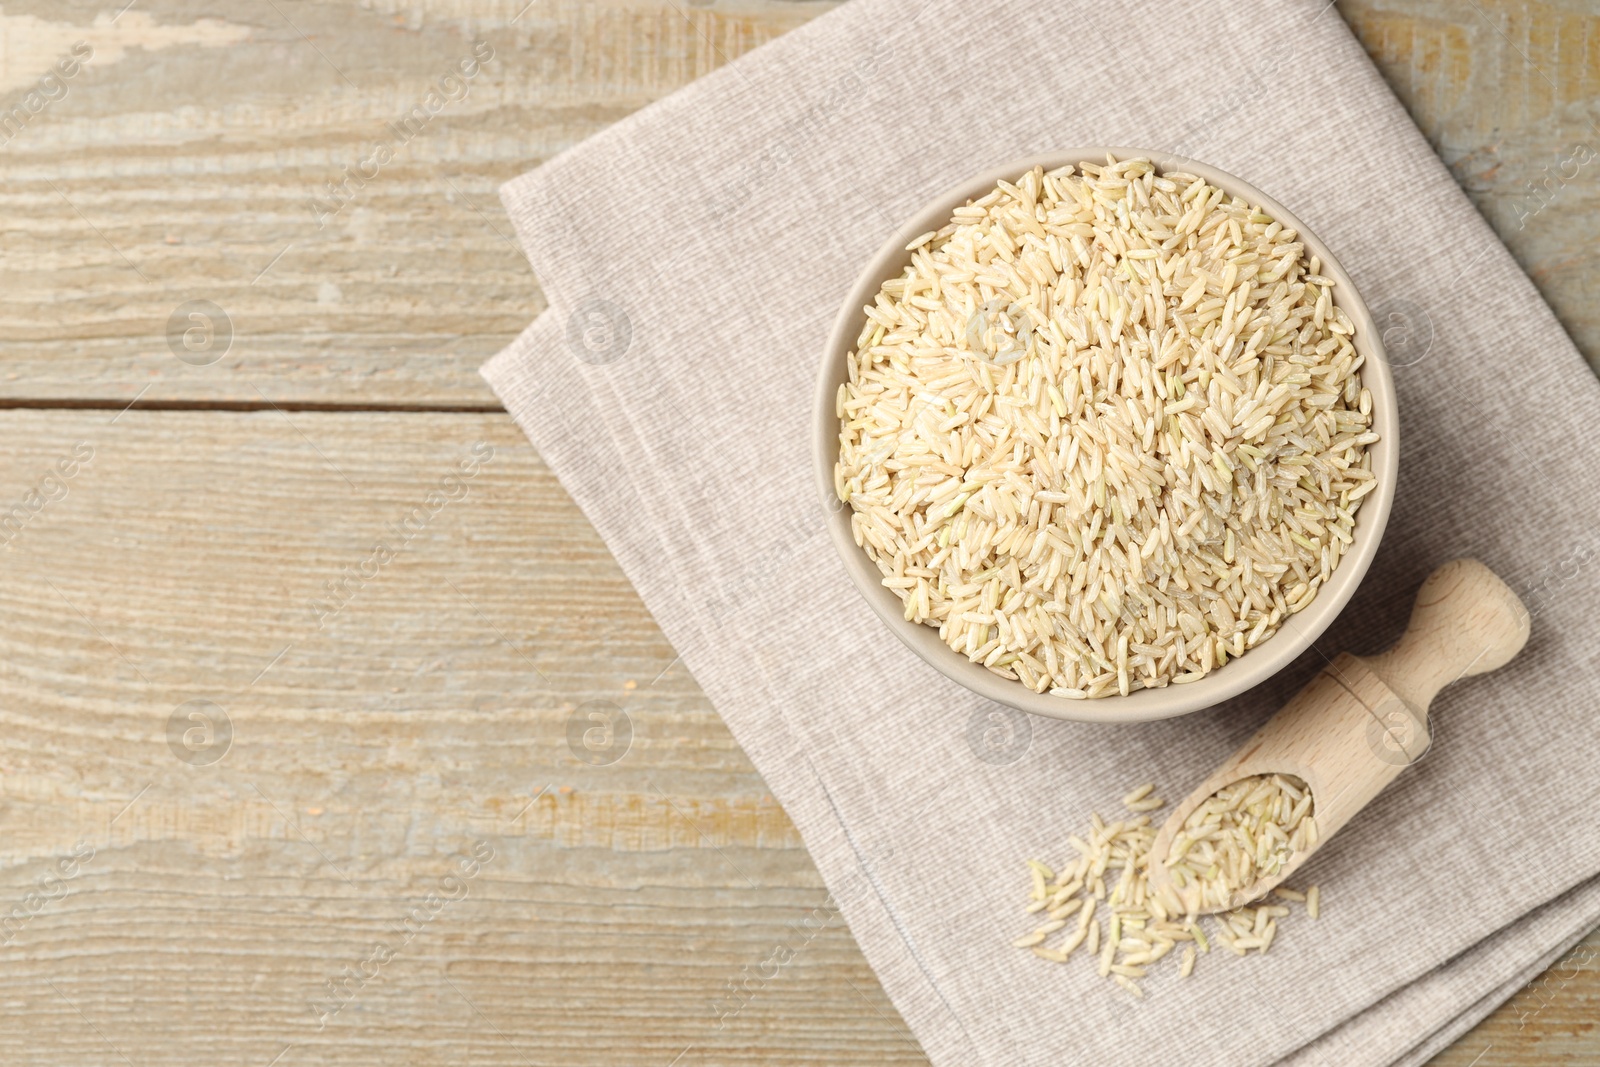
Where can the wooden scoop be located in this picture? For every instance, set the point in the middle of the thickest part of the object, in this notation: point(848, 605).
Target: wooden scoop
point(1360, 721)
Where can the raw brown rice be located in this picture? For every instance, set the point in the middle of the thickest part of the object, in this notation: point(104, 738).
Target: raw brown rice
point(1106, 430)
point(1245, 832)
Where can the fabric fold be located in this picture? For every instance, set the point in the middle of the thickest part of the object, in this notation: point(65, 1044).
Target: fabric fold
point(694, 256)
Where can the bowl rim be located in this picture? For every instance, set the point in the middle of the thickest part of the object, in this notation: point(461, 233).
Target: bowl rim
point(1296, 633)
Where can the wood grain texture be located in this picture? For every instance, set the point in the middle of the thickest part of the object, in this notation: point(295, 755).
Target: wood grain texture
point(1507, 93)
point(184, 160)
point(429, 713)
point(441, 697)
point(372, 747)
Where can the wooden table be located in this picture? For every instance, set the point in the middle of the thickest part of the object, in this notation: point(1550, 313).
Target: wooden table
point(222, 396)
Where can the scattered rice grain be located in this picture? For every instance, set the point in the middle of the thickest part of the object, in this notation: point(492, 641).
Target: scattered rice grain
point(1128, 934)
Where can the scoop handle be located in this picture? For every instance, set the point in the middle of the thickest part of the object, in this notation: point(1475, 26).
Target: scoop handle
point(1465, 621)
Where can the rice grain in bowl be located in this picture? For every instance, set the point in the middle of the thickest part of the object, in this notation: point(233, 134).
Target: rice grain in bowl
point(1103, 426)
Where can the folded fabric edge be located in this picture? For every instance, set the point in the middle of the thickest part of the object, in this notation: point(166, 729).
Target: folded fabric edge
point(517, 193)
point(513, 375)
point(1464, 989)
point(1457, 1027)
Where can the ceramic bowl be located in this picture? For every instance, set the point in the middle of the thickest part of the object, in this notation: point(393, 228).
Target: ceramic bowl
point(1257, 664)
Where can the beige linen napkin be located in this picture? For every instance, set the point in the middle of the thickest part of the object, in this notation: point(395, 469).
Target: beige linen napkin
point(694, 256)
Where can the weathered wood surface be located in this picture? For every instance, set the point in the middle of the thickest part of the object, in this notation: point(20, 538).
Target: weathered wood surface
point(429, 713)
point(1507, 93)
point(184, 158)
point(372, 744)
point(383, 727)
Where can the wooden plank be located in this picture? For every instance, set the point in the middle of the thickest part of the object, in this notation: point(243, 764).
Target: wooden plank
point(380, 730)
point(1508, 93)
point(1551, 1023)
point(184, 160)
point(183, 561)
point(412, 722)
